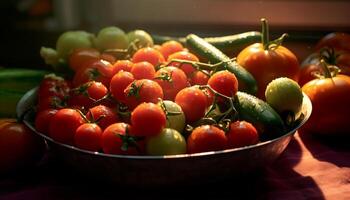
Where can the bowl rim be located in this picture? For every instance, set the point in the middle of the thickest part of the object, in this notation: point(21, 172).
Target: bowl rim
point(24, 115)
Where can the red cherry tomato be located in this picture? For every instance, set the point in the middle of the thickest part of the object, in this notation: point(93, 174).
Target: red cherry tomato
point(87, 94)
point(336, 40)
point(242, 133)
point(42, 120)
point(224, 82)
point(206, 138)
point(64, 124)
point(148, 54)
point(183, 55)
point(172, 80)
point(193, 102)
point(82, 57)
point(115, 140)
point(198, 78)
point(119, 83)
point(170, 47)
point(53, 85)
point(147, 119)
point(124, 65)
point(88, 136)
point(143, 70)
point(143, 90)
point(102, 115)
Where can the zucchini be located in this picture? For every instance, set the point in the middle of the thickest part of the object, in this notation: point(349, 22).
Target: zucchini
point(197, 45)
point(256, 111)
point(20, 80)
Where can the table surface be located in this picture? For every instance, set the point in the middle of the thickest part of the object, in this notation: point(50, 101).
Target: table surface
point(310, 168)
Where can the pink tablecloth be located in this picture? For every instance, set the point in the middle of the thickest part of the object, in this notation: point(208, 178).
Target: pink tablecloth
point(310, 168)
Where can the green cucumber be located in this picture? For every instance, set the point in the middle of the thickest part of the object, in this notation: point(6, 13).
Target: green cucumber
point(20, 80)
point(8, 102)
point(256, 111)
point(200, 47)
point(228, 44)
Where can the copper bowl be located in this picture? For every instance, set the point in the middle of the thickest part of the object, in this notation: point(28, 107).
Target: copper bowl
point(160, 170)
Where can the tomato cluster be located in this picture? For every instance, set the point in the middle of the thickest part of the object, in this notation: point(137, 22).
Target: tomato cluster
point(153, 101)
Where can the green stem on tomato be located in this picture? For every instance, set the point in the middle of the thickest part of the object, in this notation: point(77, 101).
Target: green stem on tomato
point(265, 34)
point(327, 72)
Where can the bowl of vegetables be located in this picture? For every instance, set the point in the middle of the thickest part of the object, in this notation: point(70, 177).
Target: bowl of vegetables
point(144, 114)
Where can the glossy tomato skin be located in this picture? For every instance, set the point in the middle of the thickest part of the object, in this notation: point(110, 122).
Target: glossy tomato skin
point(64, 124)
point(88, 137)
point(102, 115)
point(330, 105)
point(124, 65)
point(82, 57)
point(19, 146)
point(148, 54)
point(119, 83)
point(170, 47)
point(266, 65)
point(42, 120)
point(242, 133)
point(184, 55)
point(198, 78)
point(147, 119)
point(224, 82)
point(143, 70)
point(206, 138)
point(336, 40)
point(193, 102)
point(87, 94)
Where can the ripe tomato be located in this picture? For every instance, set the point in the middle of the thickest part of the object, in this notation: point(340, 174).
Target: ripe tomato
point(87, 94)
point(102, 115)
point(267, 61)
point(19, 146)
point(336, 40)
point(124, 65)
point(170, 47)
point(242, 133)
point(42, 120)
point(172, 80)
point(64, 124)
point(88, 136)
point(143, 70)
point(119, 83)
point(330, 98)
point(100, 71)
point(206, 138)
point(147, 119)
point(116, 140)
point(148, 54)
point(224, 82)
point(198, 78)
point(168, 142)
point(143, 90)
point(82, 57)
point(53, 85)
point(183, 55)
point(193, 102)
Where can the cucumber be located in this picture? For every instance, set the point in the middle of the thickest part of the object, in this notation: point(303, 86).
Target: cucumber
point(8, 102)
point(20, 80)
point(200, 47)
point(256, 111)
point(228, 44)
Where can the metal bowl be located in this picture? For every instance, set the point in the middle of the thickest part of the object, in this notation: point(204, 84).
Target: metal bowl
point(160, 170)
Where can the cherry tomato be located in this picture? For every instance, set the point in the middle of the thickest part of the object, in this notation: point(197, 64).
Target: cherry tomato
point(147, 119)
point(53, 85)
point(42, 120)
point(102, 115)
point(198, 78)
point(87, 94)
point(193, 102)
point(64, 124)
point(143, 90)
point(172, 80)
point(143, 70)
point(330, 99)
point(82, 57)
point(119, 83)
point(148, 54)
point(170, 47)
point(124, 65)
point(224, 82)
point(140, 37)
point(116, 140)
point(175, 116)
point(267, 61)
point(242, 133)
point(183, 55)
point(206, 138)
point(100, 71)
point(336, 40)
point(19, 146)
point(88, 136)
point(168, 142)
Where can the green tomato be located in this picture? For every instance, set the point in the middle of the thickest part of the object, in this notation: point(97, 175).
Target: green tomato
point(70, 40)
point(168, 142)
point(176, 117)
point(142, 38)
point(284, 95)
point(111, 38)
